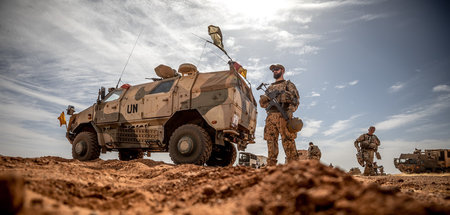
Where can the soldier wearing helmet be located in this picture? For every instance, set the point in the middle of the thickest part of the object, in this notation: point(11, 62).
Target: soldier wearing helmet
point(275, 123)
point(367, 144)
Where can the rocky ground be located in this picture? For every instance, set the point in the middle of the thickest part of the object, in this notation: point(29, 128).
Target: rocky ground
point(53, 185)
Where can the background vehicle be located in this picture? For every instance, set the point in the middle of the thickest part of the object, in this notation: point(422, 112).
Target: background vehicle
point(430, 160)
point(252, 160)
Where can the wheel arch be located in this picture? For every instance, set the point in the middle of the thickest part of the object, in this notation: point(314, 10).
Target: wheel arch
point(90, 127)
point(183, 117)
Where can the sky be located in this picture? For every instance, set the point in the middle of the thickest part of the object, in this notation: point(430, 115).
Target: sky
point(355, 64)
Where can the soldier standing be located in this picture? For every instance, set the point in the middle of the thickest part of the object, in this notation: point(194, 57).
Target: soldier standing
point(367, 144)
point(314, 152)
point(275, 123)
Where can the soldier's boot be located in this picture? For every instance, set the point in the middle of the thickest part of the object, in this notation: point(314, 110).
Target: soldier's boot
point(368, 170)
point(271, 162)
point(289, 148)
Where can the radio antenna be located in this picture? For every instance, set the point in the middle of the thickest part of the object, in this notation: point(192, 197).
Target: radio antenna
point(128, 60)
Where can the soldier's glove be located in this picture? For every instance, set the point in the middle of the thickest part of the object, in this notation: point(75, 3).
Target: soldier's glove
point(264, 101)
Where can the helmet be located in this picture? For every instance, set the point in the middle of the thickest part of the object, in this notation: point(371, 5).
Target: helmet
point(294, 125)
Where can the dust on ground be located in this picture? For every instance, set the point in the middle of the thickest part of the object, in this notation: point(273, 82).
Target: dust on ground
point(54, 185)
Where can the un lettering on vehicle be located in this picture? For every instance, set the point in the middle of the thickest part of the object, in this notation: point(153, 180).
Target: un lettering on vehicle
point(132, 108)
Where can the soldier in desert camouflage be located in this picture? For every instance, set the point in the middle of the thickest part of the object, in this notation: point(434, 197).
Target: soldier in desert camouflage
point(368, 144)
point(314, 152)
point(275, 123)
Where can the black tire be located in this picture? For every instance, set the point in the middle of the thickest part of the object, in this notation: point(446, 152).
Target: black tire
point(190, 144)
point(222, 155)
point(130, 154)
point(85, 146)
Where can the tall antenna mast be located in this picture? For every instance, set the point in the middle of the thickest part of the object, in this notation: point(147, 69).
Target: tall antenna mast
point(120, 78)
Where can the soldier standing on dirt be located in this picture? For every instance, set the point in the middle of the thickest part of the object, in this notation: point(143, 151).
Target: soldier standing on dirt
point(314, 152)
point(275, 123)
point(367, 144)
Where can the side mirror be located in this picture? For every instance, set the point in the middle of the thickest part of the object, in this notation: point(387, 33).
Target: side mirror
point(70, 110)
point(101, 94)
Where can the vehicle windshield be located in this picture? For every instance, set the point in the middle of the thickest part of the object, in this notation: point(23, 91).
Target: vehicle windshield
point(113, 96)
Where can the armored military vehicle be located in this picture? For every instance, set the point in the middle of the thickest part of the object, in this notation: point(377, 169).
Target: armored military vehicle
point(252, 160)
point(197, 117)
point(430, 160)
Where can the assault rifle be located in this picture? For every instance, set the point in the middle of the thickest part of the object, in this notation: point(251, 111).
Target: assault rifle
point(293, 124)
point(273, 99)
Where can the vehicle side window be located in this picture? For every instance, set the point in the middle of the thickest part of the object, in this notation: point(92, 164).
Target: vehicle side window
point(113, 96)
point(163, 87)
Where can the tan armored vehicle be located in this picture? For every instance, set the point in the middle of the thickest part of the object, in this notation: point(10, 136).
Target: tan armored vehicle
point(430, 160)
point(197, 117)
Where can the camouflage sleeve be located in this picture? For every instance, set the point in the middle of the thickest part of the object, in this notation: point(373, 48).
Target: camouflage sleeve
point(377, 141)
point(295, 97)
point(359, 139)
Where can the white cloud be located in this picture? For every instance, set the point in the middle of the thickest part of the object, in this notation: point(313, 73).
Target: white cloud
point(441, 88)
point(412, 116)
point(328, 4)
point(314, 94)
point(340, 126)
point(37, 95)
point(352, 83)
point(311, 127)
point(396, 87)
point(367, 17)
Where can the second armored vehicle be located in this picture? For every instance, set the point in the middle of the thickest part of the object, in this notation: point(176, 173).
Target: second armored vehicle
point(430, 160)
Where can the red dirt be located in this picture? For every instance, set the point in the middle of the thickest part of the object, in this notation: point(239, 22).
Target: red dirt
point(55, 185)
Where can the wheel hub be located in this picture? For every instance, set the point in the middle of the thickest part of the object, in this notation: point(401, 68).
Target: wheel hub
point(80, 147)
point(185, 145)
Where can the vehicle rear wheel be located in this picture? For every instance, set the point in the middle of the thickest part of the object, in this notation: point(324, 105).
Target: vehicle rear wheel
point(222, 155)
point(190, 144)
point(130, 154)
point(85, 146)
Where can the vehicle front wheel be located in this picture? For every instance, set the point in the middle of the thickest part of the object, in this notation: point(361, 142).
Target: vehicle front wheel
point(130, 154)
point(222, 155)
point(190, 144)
point(85, 146)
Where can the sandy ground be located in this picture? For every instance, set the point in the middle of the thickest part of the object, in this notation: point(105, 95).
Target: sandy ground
point(53, 185)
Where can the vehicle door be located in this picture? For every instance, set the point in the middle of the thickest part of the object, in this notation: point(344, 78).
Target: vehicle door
point(108, 109)
point(158, 102)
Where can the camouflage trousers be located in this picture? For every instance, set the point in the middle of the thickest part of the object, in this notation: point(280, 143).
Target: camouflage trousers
point(276, 125)
point(368, 161)
point(313, 157)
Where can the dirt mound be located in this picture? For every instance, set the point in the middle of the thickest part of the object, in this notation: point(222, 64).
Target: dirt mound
point(57, 185)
